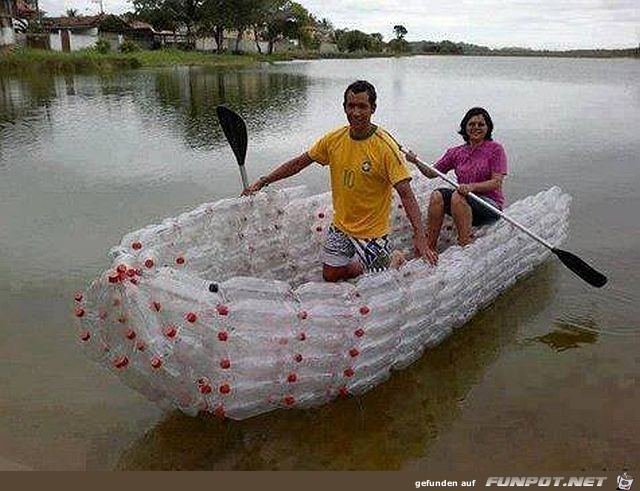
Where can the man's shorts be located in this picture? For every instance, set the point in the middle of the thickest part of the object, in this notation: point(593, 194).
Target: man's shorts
point(340, 248)
point(481, 214)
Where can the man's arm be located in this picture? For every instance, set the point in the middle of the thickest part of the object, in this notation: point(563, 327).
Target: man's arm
point(412, 210)
point(285, 170)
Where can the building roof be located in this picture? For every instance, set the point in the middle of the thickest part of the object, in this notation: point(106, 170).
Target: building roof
point(80, 22)
point(140, 26)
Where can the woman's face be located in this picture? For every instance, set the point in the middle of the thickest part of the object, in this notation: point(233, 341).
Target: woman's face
point(476, 129)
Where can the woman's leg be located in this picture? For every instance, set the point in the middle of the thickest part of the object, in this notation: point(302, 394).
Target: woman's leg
point(462, 217)
point(434, 218)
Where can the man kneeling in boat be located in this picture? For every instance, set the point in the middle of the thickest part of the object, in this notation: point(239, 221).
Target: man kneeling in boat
point(365, 163)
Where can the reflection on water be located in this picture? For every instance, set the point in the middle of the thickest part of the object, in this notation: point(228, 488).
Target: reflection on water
point(381, 430)
point(570, 335)
point(193, 94)
point(182, 98)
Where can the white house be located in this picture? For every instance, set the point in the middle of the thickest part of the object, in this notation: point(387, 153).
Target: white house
point(72, 33)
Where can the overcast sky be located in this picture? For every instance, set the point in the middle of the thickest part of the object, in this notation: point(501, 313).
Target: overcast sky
point(551, 24)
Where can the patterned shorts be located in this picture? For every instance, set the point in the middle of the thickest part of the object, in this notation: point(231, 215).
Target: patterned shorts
point(340, 248)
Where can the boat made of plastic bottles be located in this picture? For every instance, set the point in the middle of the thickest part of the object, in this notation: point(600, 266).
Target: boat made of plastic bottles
point(223, 309)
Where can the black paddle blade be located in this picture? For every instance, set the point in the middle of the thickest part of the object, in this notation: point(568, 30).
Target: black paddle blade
point(235, 130)
point(579, 267)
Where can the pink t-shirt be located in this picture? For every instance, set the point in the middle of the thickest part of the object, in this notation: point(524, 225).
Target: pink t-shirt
point(476, 165)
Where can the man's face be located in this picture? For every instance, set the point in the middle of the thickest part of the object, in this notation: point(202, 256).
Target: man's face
point(359, 110)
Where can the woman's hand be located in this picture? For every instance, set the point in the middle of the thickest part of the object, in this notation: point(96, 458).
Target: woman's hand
point(412, 157)
point(465, 189)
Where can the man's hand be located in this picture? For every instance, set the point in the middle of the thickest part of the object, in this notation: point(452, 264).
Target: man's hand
point(255, 187)
point(423, 250)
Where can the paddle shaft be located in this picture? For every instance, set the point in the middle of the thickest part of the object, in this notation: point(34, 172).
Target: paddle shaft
point(243, 175)
point(487, 205)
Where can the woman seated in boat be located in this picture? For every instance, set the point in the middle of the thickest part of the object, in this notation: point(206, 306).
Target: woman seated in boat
point(480, 165)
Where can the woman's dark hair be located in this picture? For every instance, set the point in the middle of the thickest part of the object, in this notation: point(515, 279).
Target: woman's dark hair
point(361, 86)
point(475, 111)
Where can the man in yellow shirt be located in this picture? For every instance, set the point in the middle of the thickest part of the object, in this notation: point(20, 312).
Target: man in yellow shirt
point(365, 163)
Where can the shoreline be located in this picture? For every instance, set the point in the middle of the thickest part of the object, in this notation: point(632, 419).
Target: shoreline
point(34, 60)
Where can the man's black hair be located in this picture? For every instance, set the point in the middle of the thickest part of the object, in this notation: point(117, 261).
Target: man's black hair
point(358, 87)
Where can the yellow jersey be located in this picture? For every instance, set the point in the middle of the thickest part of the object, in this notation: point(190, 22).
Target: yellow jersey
point(363, 173)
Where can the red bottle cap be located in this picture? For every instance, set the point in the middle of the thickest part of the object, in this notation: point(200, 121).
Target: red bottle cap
point(170, 331)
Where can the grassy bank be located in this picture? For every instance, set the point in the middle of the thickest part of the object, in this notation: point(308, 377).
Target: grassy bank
point(35, 60)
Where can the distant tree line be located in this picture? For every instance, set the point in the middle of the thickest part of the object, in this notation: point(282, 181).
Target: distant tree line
point(450, 48)
point(270, 20)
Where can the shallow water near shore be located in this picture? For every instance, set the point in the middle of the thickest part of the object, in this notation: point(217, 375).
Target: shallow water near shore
point(545, 378)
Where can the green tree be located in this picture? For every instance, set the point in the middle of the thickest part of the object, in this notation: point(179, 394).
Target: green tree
point(216, 15)
point(400, 31)
point(297, 23)
point(170, 14)
point(243, 15)
point(352, 41)
point(279, 19)
point(72, 12)
point(399, 46)
point(377, 42)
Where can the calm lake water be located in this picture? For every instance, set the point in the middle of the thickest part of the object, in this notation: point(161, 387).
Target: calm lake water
point(546, 378)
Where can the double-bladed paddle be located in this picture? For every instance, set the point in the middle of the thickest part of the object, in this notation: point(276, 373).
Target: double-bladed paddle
point(571, 261)
point(235, 130)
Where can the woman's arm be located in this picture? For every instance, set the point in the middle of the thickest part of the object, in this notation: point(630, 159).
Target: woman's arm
point(413, 158)
point(482, 187)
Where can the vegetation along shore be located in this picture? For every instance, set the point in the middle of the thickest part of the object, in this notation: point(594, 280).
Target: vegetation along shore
point(224, 33)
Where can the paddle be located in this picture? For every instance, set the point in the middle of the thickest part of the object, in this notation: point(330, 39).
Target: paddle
point(571, 261)
point(236, 132)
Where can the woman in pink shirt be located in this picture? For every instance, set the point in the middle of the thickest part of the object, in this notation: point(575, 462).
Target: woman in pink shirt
point(480, 166)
